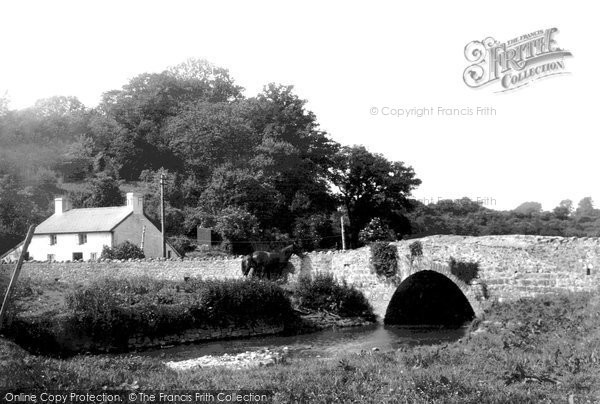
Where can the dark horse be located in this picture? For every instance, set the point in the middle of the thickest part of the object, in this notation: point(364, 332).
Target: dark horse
point(266, 263)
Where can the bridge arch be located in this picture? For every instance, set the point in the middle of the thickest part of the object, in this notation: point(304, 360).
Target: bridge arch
point(429, 298)
point(382, 301)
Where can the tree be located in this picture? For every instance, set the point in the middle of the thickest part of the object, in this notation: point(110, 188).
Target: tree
point(3, 105)
point(313, 232)
point(585, 208)
point(376, 230)
point(371, 186)
point(237, 227)
point(16, 210)
point(529, 208)
point(144, 105)
point(564, 209)
point(103, 191)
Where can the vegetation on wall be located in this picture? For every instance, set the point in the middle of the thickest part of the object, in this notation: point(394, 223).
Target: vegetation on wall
point(384, 259)
point(416, 250)
point(463, 270)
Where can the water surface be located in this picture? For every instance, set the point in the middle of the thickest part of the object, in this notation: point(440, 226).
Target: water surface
point(327, 343)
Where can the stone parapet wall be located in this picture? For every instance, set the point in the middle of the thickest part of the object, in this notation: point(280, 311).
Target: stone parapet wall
point(160, 269)
point(519, 266)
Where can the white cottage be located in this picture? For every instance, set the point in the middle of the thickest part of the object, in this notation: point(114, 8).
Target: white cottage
point(80, 234)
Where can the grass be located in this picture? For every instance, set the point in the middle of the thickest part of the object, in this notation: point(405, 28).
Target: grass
point(111, 311)
point(538, 350)
point(60, 316)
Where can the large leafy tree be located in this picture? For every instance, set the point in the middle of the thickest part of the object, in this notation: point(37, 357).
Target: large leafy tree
point(144, 105)
point(371, 186)
point(102, 191)
point(16, 210)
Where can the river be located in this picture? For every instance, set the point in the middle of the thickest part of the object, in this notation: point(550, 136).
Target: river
point(327, 343)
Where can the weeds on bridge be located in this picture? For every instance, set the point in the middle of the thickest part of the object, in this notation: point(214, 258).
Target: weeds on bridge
point(384, 259)
point(465, 271)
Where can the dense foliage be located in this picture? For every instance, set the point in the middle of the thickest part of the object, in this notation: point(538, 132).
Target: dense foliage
point(256, 169)
point(125, 250)
point(113, 310)
point(322, 292)
point(384, 259)
point(376, 230)
point(467, 217)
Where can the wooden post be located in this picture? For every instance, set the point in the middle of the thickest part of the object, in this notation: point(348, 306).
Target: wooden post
point(15, 274)
point(162, 214)
point(143, 237)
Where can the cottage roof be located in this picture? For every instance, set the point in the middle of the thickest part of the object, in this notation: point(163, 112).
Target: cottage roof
point(84, 220)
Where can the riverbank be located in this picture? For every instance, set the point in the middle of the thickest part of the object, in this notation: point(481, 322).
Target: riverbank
point(545, 349)
point(137, 313)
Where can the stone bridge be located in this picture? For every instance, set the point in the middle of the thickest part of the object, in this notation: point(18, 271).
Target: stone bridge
point(510, 267)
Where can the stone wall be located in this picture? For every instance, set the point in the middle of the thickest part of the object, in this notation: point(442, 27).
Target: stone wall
point(175, 269)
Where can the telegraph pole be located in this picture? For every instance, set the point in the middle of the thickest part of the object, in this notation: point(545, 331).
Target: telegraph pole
point(162, 214)
point(343, 236)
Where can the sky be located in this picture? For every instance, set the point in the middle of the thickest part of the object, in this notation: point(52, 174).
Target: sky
point(355, 63)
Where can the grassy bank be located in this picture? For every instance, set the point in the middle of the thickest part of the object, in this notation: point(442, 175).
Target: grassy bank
point(106, 313)
point(530, 351)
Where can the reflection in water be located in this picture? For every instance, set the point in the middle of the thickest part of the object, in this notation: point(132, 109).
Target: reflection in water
point(323, 343)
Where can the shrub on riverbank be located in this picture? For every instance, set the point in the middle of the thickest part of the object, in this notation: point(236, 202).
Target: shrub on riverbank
point(322, 292)
point(110, 311)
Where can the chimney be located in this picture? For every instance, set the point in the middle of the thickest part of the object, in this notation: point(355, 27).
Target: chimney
point(135, 201)
point(61, 205)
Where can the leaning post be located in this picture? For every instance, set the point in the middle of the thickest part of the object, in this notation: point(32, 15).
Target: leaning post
point(15, 274)
point(162, 215)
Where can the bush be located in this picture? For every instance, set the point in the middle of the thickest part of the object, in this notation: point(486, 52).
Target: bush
point(112, 310)
point(384, 259)
point(376, 230)
point(182, 244)
point(465, 271)
point(123, 251)
point(323, 293)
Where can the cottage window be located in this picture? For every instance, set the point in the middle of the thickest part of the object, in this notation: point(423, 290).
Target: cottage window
point(52, 239)
point(77, 256)
point(93, 256)
point(50, 257)
point(82, 238)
